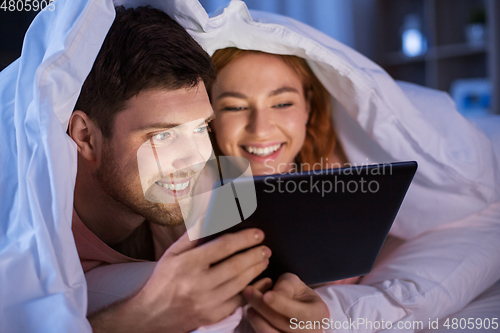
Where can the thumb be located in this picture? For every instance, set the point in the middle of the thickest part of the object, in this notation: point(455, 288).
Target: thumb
point(290, 285)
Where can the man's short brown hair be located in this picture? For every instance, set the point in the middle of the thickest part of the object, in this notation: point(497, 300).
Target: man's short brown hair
point(144, 49)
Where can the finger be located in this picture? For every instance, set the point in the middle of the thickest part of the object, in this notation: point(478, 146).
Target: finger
point(290, 285)
point(232, 267)
point(308, 305)
point(227, 245)
point(228, 307)
point(290, 296)
point(258, 323)
point(220, 311)
point(263, 284)
point(275, 319)
point(237, 284)
point(284, 305)
point(181, 245)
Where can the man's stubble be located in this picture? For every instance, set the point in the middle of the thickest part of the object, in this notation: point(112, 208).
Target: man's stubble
point(123, 185)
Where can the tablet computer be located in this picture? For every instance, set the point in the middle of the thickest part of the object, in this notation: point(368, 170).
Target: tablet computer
point(324, 225)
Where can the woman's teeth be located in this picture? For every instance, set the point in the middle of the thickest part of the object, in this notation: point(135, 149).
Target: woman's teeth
point(174, 187)
point(262, 151)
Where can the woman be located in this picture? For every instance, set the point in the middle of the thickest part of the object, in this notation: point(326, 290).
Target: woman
point(376, 120)
point(278, 116)
point(273, 111)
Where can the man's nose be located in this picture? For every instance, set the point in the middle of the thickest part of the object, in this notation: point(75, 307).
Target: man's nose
point(260, 122)
point(190, 154)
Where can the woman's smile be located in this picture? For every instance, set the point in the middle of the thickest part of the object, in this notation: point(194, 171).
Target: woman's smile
point(268, 150)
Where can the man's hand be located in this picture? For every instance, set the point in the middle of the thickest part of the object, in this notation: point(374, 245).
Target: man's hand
point(290, 298)
point(190, 286)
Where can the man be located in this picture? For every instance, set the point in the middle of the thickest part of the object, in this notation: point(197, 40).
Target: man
point(146, 89)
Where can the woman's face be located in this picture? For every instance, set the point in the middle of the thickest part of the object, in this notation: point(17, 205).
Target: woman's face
point(261, 112)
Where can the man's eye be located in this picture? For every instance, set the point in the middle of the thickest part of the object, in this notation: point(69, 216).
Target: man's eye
point(234, 108)
point(202, 130)
point(162, 136)
point(282, 105)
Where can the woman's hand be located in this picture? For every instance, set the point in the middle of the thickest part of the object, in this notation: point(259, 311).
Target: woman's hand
point(289, 302)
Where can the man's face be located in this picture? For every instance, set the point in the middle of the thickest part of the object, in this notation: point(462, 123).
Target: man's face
point(158, 147)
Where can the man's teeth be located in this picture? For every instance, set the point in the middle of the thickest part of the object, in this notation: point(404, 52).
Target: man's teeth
point(262, 151)
point(174, 187)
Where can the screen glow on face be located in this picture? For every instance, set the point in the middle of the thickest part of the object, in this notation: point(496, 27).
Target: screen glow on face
point(178, 169)
point(171, 160)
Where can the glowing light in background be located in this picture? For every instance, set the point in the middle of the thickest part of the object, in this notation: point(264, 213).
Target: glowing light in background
point(414, 42)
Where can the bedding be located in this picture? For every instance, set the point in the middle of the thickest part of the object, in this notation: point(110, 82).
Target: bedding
point(482, 310)
point(378, 120)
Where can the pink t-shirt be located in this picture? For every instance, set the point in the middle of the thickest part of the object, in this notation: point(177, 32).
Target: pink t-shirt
point(93, 252)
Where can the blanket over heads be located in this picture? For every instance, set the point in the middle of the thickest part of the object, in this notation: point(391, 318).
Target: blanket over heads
point(377, 120)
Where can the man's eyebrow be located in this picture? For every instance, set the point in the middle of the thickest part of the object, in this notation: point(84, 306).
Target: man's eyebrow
point(207, 119)
point(167, 126)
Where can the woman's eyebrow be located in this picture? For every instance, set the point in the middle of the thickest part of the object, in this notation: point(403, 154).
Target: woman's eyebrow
point(231, 94)
point(272, 93)
point(283, 90)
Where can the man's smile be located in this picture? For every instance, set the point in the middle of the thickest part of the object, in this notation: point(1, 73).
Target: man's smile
point(176, 187)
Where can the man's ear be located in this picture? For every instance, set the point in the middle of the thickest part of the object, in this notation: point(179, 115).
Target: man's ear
point(86, 135)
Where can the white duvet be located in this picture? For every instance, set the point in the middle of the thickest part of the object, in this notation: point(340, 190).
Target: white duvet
point(449, 218)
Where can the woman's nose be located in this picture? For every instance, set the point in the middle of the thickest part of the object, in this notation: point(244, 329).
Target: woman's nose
point(260, 122)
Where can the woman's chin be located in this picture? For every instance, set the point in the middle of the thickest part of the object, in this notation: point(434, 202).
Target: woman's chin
point(259, 169)
point(268, 168)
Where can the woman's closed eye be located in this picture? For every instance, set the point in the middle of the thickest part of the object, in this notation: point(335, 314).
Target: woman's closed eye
point(234, 108)
point(282, 105)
